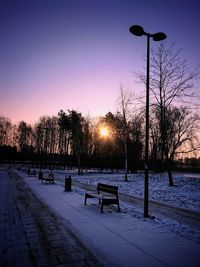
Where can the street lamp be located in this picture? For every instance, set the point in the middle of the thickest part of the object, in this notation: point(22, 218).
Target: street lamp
point(159, 36)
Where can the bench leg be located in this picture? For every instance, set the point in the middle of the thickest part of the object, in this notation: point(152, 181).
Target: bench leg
point(85, 200)
point(102, 207)
point(118, 207)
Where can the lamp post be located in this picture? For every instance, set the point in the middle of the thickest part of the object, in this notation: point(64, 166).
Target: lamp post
point(159, 36)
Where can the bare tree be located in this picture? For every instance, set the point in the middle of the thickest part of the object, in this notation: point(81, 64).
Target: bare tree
point(87, 142)
point(137, 137)
point(64, 132)
point(77, 135)
point(5, 131)
point(181, 134)
point(46, 138)
point(24, 136)
point(124, 113)
point(171, 82)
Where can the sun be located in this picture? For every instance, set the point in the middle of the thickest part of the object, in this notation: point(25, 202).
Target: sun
point(104, 132)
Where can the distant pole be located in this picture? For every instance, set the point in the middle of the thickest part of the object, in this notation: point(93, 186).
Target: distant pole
point(139, 31)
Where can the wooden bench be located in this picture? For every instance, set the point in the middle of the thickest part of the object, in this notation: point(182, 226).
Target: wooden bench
point(107, 195)
point(48, 179)
point(31, 172)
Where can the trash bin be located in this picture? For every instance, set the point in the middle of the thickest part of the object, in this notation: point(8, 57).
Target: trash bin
point(40, 176)
point(68, 183)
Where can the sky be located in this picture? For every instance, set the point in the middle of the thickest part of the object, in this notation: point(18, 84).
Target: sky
point(75, 54)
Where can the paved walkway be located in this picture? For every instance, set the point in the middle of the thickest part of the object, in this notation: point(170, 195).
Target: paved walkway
point(33, 236)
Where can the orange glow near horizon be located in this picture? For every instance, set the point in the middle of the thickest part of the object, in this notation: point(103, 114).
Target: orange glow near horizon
point(104, 131)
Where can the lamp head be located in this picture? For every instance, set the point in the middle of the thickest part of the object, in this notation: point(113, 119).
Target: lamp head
point(159, 36)
point(137, 30)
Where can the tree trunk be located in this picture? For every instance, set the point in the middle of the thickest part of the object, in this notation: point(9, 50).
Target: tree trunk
point(126, 160)
point(169, 171)
point(79, 164)
point(171, 182)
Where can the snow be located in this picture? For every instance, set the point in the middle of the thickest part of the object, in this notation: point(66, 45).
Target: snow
point(127, 238)
point(184, 194)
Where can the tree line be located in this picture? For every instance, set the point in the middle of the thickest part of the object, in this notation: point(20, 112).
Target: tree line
point(70, 139)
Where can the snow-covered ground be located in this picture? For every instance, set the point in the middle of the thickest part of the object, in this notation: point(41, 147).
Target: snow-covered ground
point(141, 241)
point(185, 194)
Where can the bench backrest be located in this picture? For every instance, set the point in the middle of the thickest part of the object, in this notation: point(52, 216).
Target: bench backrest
point(107, 188)
point(51, 175)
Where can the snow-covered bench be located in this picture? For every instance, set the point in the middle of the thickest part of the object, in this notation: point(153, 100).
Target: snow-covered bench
point(107, 195)
point(48, 179)
point(31, 172)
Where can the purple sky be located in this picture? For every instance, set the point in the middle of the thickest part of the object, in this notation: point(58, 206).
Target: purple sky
point(74, 54)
